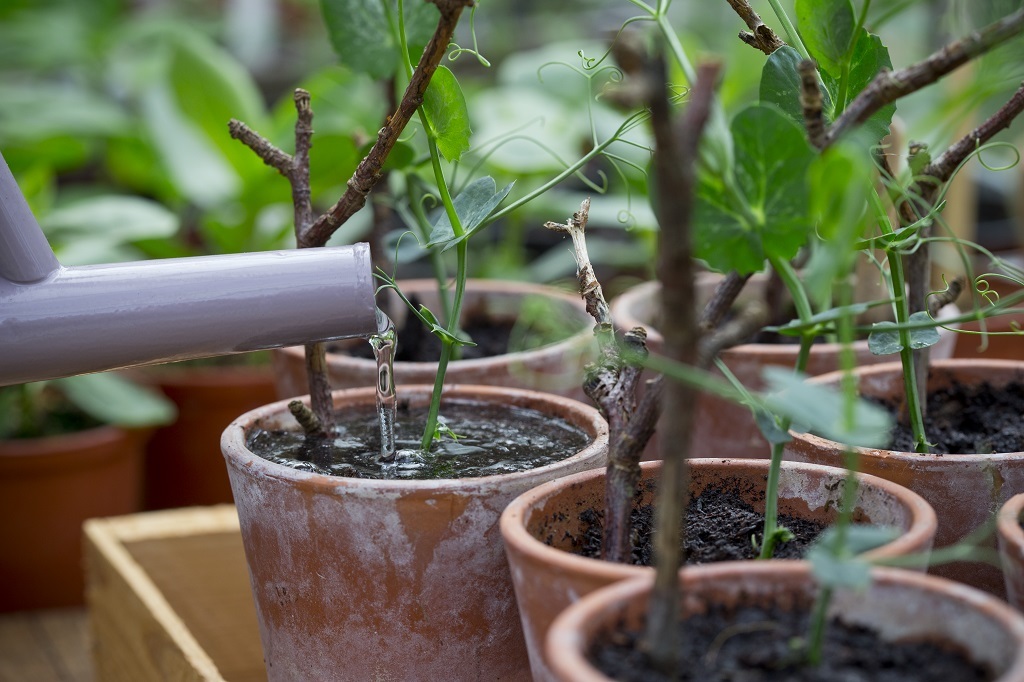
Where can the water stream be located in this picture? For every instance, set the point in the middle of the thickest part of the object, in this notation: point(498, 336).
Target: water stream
point(383, 343)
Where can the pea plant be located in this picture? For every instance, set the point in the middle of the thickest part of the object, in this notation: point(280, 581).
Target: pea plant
point(801, 171)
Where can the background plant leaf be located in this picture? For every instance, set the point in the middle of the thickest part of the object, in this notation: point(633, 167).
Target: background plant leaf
point(114, 400)
point(363, 40)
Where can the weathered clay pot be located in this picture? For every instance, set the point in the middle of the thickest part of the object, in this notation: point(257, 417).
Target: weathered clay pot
point(184, 466)
point(722, 428)
point(358, 579)
point(548, 577)
point(898, 604)
point(48, 488)
point(965, 490)
point(1004, 340)
point(1011, 548)
point(554, 368)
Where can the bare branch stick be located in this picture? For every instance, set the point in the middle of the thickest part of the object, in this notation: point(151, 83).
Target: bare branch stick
point(271, 155)
point(888, 86)
point(811, 103)
point(761, 35)
point(367, 173)
point(721, 301)
point(674, 162)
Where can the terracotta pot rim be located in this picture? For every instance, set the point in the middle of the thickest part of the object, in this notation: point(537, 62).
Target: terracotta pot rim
point(569, 632)
point(628, 321)
point(577, 413)
point(884, 368)
point(777, 350)
point(576, 341)
point(1008, 521)
point(91, 437)
point(924, 521)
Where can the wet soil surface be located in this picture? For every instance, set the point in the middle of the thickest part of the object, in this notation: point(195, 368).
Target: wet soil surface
point(719, 527)
point(970, 419)
point(492, 439)
point(755, 644)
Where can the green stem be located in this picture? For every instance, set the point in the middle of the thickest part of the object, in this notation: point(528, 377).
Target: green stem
point(901, 309)
point(452, 321)
point(819, 618)
point(771, 493)
point(791, 33)
point(803, 309)
point(437, 263)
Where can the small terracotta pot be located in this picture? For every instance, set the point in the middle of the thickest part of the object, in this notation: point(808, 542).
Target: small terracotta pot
point(898, 605)
point(548, 577)
point(1003, 341)
point(556, 368)
point(48, 488)
point(722, 428)
point(184, 466)
point(1011, 549)
point(965, 490)
point(361, 579)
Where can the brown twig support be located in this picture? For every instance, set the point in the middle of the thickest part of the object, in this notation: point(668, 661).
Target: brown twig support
point(674, 160)
point(760, 34)
point(611, 383)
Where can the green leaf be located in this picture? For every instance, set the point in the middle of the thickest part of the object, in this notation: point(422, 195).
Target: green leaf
point(884, 339)
point(472, 205)
point(114, 400)
point(869, 57)
point(821, 409)
point(840, 566)
point(768, 424)
point(840, 181)
point(445, 108)
point(362, 38)
point(885, 336)
point(767, 214)
point(118, 218)
point(780, 83)
point(827, 28)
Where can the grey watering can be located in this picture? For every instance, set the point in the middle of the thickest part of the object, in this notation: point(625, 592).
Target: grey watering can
point(59, 321)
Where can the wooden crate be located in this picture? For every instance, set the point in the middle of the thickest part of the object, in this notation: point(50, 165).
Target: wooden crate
point(169, 599)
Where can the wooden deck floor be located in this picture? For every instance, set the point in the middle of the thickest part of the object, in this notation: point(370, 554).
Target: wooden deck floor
point(45, 646)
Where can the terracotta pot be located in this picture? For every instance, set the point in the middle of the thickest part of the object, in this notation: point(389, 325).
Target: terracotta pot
point(184, 466)
point(722, 428)
point(965, 490)
point(1004, 342)
point(549, 577)
point(555, 368)
point(1011, 549)
point(361, 579)
point(898, 605)
point(48, 488)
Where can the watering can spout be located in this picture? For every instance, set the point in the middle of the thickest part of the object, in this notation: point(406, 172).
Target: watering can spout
point(59, 321)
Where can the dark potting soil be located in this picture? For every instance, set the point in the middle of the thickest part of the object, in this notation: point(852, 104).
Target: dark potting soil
point(492, 439)
point(753, 644)
point(719, 527)
point(417, 344)
point(970, 419)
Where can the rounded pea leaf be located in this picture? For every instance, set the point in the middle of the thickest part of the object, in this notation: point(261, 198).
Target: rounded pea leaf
point(445, 107)
point(761, 208)
point(472, 205)
point(362, 37)
point(827, 28)
point(780, 84)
